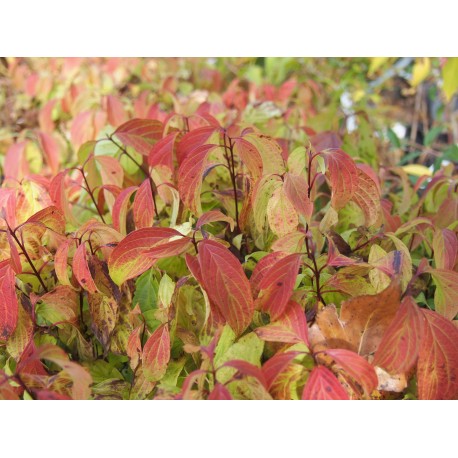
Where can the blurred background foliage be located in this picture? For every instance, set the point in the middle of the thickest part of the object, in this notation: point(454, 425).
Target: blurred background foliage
point(384, 111)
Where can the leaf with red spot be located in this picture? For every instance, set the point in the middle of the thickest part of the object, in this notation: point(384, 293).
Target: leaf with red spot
point(342, 173)
point(357, 367)
point(226, 284)
point(140, 134)
point(291, 327)
point(277, 285)
point(8, 300)
point(190, 175)
point(437, 369)
point(81, 270)
point(281, 214)
point(322, 384)
point(143, 206)
point(156, 354)
point(367, 196)
point(398, 350)
point(140, 249)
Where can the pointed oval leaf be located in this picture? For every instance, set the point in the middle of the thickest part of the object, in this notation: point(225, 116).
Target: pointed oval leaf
point(140, 134)
point(367, 196)
point(8, 300)
point(277, 285)
point(446, 294)
point(156, 354)
point(140, 249)
point(445, 246)
point(398, 350)
point(322, 384)
point(296, 189)
point(357, 367)
point(81, 270)
point(143, 206)
point(437, 369)
point(281, 214)
point(120, 209)
point(226, 284)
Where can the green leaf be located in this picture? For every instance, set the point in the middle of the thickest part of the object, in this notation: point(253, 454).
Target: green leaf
point(146, 291)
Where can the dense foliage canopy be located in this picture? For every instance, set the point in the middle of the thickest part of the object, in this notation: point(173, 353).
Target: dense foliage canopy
point(229, 228)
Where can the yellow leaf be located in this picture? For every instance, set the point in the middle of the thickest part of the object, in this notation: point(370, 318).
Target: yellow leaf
point(417, 169)
point(421, 70)
point(450, 75)
point(376, 63)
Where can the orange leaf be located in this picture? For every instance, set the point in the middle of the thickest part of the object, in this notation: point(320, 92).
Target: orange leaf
point(81, 270)
point(140, 134)
point(8, 300)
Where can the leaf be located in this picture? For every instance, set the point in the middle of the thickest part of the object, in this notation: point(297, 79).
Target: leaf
point(21, 336)
point(446, 294)
point(276, 286)
point(140, 249)
point(445, 246)
point(81, 270)
point(60, 304)
point(261, 269)
point(437, 370)
point(343, 176)
point(262, 193)
point(450, 76)
point(399, 347)
point(140, 134)
point(115, 111)
point(296, 189)
point(214, 216)
point(291, 327)
point(143, 206)
point(134, 348)
point(281, 214)
point(421, 70)
point(226, 284)
point(366, 318)
point(156, 354)
point(276, 365)
point(367, 197)
point(162, 152)
point(357, 367)
point(120, 209)
point(247, 369)
point(8, 300)
point(250, 157)
point(417, 170)
point(323, 385)
point(51, 150)
point(269, 150)
point(220, 393)
point(190, 175)
point(104, 315)
point(79, 375)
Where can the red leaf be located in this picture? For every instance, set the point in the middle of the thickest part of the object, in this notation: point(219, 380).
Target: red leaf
point(45, 117)
point(226, 284)
point(214, 216)
point(322, 384)
point(220, 393)
point(343, 176)
point(81, 270)
point(437, 369)
point(357, 367)
point(14, 253)
point(8, 300)
point(367, 196)
point(143, 206)
point(190, 175)
point(140, 249)
point(140, 134)
point(115, 111)
point(192, 140)
point(250, 157)
point(445, 246)
point(296, 190)
point(262, 268)
point(277, 286)
point(291, 327)
point(120, 209)
point(247, 369)
point(274, 366)
point(162, 152)
point(398, 350)
point(156, 354)
point(50, 149)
